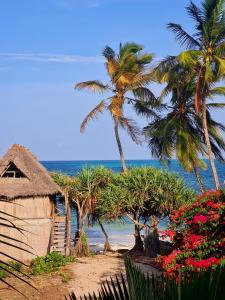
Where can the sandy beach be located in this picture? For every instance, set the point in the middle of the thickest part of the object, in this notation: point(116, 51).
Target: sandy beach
point(86, 275)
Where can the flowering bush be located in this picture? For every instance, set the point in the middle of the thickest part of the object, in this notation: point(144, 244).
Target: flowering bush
point(198, 235)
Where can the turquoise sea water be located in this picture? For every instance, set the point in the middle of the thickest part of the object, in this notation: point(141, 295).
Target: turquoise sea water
point(121, 233)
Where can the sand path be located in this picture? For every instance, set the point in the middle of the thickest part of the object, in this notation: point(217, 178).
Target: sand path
point(89, 272)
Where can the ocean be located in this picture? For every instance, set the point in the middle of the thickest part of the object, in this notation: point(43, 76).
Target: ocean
point(121, 233)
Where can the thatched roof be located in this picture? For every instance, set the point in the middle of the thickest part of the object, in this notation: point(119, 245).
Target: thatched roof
point(35, 179)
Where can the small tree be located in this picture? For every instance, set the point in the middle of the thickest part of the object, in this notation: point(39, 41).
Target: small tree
point(87, 186)
point(143, 194)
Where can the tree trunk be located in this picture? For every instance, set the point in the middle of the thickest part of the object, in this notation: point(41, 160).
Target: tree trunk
point(139, 245)
point(207, 141)
point(116, 129)
point(68, 223)
point(198, 91)
point(199, 179)
point(107, 246)
point(152, 239)
point(81, 247)
point(78, 217)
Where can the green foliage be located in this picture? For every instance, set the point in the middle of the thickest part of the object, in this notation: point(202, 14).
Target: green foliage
point(208, 285)
point(49, 263)
point(66, 277)
point(12, 266)
point(15, 265)
point(3, 274)
point(150, 191)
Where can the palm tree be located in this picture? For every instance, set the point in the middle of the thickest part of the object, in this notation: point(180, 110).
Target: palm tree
point(179, 129)
point(204, 55)
point(128, 75)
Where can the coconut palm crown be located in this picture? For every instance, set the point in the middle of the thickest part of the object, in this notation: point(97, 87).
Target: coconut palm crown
point(129, 76)
point(204, 56)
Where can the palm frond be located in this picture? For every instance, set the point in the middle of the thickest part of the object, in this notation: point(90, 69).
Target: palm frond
point(108, 53)
point(93, 85)
point(190, 57)
point(127, 49)
point(183, 37)
point(219, 91)
point(93, 114)
point(131, 128)
point(15, 243)
point(145, 110)
point(145, 94)
point(196, 14)
point(215, 105)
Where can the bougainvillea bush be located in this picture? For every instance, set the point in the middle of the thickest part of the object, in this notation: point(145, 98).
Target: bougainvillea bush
point(198, 235)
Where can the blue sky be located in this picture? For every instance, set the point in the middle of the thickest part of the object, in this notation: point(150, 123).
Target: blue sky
point(46, 46)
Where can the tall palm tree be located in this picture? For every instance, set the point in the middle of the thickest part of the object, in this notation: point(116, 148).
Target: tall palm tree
point(128, 76)
point(179, 129)
point(205, 50)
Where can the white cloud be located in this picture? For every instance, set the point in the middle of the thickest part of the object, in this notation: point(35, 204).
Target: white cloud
point(95, 4)
point(51, 58)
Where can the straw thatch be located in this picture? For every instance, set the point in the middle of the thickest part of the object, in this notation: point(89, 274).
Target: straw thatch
point(36, 180)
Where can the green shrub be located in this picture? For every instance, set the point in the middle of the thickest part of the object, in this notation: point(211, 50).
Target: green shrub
point(12, 266)
point(15, 265)
point(65, 277)
point(49, 263)
point(3, 274)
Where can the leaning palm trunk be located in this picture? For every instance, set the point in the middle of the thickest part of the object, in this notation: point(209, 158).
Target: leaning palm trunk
point(116, 129)
point(208, 144)
point(198, 178)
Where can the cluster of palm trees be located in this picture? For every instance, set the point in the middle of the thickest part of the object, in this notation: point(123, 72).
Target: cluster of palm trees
point(191, 79)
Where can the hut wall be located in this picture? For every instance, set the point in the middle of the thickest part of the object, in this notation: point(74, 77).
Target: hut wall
point(29, 208)
point(35, 216)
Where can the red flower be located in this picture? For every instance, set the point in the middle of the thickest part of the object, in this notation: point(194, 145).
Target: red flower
point(196, 239)
point(170, 233)
point(204, 263)
point(215, 205)
point(202, 219)
point(169, 259)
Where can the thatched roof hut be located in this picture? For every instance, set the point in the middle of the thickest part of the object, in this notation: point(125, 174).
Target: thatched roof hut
point(22, 175)
point(27, 192)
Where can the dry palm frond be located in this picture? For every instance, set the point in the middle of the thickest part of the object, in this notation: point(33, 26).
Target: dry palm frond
point(93, 114)
point(93, 85)
point(131, 128)
point(111, 67)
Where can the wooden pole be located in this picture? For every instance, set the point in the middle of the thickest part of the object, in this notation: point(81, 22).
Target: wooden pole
point(68, 227)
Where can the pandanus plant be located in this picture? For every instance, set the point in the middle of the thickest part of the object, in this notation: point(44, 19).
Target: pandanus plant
point(129, 76)
point(204, 56)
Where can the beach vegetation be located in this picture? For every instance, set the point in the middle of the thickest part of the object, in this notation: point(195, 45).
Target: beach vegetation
point(66, 277)
point(129, 75)
point(51, 262)
point(198, 234)
point(84, 190)
point(204, 59)
point(178, 129)
point(143, 195)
